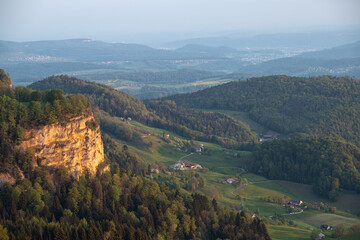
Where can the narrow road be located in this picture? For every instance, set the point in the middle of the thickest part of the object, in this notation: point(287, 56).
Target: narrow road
point(242, 185)
point(185, 156)
point(293, 213)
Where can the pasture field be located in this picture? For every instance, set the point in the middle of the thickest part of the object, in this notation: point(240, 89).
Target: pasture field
point(347, 202)
point(279, 232)
point(221, 163)
point(330, 219)
point(355, 236)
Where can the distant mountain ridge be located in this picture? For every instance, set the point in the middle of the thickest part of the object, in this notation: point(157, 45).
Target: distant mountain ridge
point(351, 50)
point(269, 54)
point(80, 50)
point(298, 39)
point(301, 66)
point(87, 50)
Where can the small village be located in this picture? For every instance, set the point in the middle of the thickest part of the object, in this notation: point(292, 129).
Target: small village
point(185, 165)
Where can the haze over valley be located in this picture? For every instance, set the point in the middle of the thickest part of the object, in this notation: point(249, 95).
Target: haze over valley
point(180, 119)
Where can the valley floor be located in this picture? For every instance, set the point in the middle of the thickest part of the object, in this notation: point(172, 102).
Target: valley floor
point(220, 164)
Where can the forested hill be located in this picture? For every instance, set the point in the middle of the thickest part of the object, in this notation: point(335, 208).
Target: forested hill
point(112, 101)
point(185, 122)
point(5, 80)
point(344, 51)
point(317, 106)
point(211, 127)
point(328, 164)
point(47, 203)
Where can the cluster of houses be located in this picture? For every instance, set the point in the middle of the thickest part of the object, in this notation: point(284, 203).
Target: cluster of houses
point(294, 203)
point(295, 206)
point(185, 165)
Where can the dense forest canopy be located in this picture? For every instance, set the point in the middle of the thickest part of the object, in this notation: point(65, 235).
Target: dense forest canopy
point(117, 205)
point(165, 115)
point(112, 101)
point(317, 106)
point(5, 81)
point(121, 203)
point(24, 108)
point(214, 127)
point(327, 164)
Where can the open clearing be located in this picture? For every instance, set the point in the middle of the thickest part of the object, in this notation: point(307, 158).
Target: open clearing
point(288, 233)
point(347, 201)
point(330, 219)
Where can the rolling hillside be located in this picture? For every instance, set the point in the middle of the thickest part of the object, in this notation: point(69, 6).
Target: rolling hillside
point(344, 51)
point(316, 106)
point(158, 114)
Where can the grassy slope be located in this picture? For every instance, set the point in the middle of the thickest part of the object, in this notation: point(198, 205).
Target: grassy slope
point(355, 236)
point(348, 201)
point(223, 163)
point(288, 233)
point(330, 219)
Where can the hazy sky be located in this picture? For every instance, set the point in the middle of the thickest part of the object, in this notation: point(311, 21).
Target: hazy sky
point(22, 20)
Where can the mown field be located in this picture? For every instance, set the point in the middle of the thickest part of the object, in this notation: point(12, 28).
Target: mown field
point(279, 232)
point(330, 219)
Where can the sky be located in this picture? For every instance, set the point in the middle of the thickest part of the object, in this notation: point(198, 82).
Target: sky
point(122, 20)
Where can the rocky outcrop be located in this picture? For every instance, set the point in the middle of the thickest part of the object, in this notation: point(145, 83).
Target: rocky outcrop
point(5, 81)
point(75, 144)
point(6, 178)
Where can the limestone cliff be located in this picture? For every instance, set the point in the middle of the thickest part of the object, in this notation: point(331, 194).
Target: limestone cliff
point(75, 144)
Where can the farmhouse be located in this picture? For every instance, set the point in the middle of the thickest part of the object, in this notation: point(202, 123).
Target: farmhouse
point(191, 165)
point(198, 149)
point(267, 138)
point(230, 180)
point(185, 165)
point(320, 236)
point(289, 205)
point(326, 227)
point(296, 202)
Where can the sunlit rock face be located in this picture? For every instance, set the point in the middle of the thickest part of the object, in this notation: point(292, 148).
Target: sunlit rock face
point(73, 144)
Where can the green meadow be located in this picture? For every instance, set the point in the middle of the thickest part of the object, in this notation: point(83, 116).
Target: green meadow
point(219, 164)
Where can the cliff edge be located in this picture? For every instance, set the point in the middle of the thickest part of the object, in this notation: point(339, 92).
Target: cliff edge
point(75, 144)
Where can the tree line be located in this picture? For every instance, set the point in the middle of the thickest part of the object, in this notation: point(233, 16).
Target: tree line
point(316, 106)
point(328, 164)
point(212, 127)
point(122, 203)
point(23, 108)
